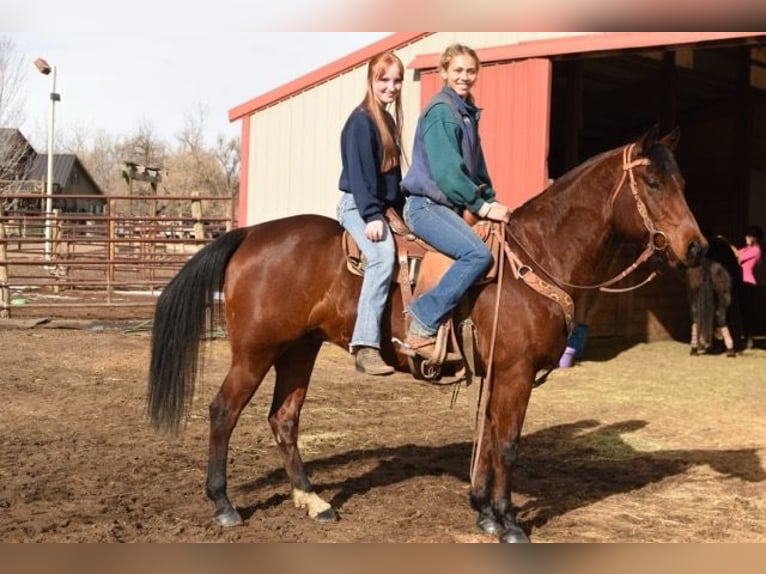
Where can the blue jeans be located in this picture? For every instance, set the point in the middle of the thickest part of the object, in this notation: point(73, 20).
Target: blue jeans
point(446, 231)
point(380, 257)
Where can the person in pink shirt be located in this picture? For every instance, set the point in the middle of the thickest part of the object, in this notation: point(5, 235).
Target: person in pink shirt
point(749, 255)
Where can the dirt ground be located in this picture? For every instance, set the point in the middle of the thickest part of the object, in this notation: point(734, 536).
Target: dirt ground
point(633, 443)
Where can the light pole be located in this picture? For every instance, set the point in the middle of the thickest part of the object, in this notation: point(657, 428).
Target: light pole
point(44, 68)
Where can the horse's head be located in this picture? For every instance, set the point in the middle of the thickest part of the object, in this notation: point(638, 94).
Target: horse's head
point(649, 203)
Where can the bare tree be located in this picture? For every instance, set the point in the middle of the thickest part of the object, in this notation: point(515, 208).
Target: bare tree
point(192, 136)
point(144, 147)
point(99, 152)
point(15, 152)
point(12, 76)
point(196, 168)
point(227, 154)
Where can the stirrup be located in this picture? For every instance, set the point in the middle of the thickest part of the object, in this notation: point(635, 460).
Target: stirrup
point(432, 349)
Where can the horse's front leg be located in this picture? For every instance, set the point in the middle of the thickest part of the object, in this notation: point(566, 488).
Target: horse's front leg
point(293, 370)
point(481, 486)
point(237, 389)
point(507, 406)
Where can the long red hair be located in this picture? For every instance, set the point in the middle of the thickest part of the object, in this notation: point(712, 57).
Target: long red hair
point(392, 142)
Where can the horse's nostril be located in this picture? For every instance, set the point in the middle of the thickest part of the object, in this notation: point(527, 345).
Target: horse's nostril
point(694, 251)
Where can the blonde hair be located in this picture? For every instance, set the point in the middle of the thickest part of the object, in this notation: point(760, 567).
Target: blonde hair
point(454, 50)
point(392, 153)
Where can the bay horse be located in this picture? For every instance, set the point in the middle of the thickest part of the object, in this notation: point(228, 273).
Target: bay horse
point(713, 290)
point(287, 290)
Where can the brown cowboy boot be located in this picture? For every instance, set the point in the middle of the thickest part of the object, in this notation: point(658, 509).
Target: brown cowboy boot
point(433, 348)
point(369, 361)
point(425, 346)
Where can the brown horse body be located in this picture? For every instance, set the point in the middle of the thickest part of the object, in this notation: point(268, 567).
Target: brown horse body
point(287, 290)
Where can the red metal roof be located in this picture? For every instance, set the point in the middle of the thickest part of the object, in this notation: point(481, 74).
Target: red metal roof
point(590, 42)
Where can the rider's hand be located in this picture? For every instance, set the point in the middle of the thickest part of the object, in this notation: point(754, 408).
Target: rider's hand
point(498, 212)
point(374, 230)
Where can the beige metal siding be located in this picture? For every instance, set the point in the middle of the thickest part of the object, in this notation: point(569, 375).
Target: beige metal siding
point(295, 150)
point(294, 160)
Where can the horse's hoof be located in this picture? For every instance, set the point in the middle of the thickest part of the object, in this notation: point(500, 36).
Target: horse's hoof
point(694, 352)
point(227, 518)
point(731, 353)
point(488, 525)
point(514, 535)
point(328, 515)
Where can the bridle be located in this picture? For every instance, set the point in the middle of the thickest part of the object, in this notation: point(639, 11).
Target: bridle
point(658, 241)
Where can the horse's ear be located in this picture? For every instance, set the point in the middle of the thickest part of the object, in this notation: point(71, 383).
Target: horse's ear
point(671, 140)
point(648, 139)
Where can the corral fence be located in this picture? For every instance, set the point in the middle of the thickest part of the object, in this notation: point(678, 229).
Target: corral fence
point(62, 259)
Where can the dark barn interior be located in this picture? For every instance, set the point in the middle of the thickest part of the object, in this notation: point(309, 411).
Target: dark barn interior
point(716, 94)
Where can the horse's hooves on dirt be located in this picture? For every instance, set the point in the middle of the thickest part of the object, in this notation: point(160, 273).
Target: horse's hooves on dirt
point(514, 534)
point(328, 515)
point(731, 353)
point(488, 525)
point(694, 352)
point(228, 518)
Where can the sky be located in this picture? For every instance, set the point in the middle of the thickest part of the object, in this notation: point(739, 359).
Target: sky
point(121, 80)
point(160, 62)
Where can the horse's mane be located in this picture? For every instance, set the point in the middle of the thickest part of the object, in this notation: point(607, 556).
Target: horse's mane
point(548, 200)
point(660, 155)
point(565, 208)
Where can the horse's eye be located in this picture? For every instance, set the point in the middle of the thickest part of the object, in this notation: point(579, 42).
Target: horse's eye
point(653, 182)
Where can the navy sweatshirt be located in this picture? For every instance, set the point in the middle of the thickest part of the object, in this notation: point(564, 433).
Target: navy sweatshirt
point(361, 154)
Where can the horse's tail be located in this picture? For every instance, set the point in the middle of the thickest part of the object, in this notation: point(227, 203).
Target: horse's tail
point(706, 306)
point(184, 310)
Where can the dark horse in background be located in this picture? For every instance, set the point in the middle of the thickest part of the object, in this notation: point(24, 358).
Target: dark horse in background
point(287, 291)
point(713, 289)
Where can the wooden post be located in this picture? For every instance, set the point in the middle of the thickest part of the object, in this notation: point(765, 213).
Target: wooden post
point(196, 209)
point(230, 214)
point(743, 152)
point(151, 252)
point(668, 111)
point(57, 269)
point(573, 116)
point(111, 248)
point(5, 293)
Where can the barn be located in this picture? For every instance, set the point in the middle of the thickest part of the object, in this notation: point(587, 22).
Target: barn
point(551, 100)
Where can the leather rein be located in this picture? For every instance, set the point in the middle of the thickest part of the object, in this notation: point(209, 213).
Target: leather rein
point(657, 239)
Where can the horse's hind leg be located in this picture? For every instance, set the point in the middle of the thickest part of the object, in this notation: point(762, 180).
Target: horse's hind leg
point(724, 300)
point(293, 370)
point(241, 382)
point(728, 341)
point(694, 349)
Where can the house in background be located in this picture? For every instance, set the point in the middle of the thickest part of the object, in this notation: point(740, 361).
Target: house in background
point(23, 171)
point(70, 178)
point(16, 156)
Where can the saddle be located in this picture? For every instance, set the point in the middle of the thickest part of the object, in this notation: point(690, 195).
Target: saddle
point(425, 264)
point(419, 267)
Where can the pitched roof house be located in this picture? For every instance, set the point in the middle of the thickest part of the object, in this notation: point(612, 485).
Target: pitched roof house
point(16, 155)
point(24, 171)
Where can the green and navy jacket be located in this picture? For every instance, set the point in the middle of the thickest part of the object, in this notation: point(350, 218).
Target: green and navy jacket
point(448, 165)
